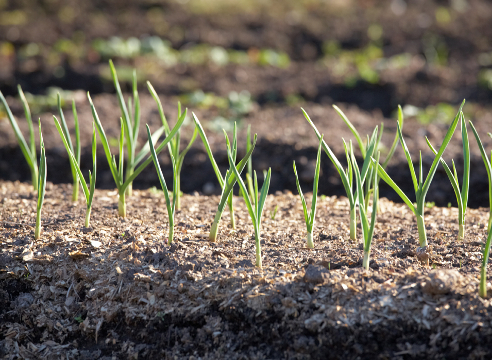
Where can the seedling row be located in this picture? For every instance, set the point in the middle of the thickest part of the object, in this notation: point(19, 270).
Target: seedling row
point(361, 182)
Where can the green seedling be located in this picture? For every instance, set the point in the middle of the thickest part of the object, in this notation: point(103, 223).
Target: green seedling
point(130, 116)
point(117, 169)
point(174, 144)
point(255, 208)
point(249, 174)
point(421, 187)
point(171, 206)
point(363, 146)
point(273, 213)
point(461, 195)
point(229, 180)
point(76, 151)
point(29, 151)
point(486, 250)
point(309, 217)
point(41, 184)
point(347, 175)
point(488, 167)
point(483, 270)
point(366, 226)
point(75, 164)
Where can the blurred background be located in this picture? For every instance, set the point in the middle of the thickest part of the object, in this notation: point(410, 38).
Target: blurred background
point(255, 61)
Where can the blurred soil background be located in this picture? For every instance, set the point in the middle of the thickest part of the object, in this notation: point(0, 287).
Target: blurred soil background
point(254, 62)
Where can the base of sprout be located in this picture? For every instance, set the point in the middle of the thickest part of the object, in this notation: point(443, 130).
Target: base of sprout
point(171, 234)
point(310, 243)
point(483, 283)
point(353, 224)
point(122, 205)
point(461, 232)
point(258, 256)
point(231, 212)
point(75, 191)
point(213, 231)
point(422, 232)
point(366, 260)
point(37, 231)
point(87, 218)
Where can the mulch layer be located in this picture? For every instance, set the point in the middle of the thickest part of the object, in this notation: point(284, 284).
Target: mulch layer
point(117, 290)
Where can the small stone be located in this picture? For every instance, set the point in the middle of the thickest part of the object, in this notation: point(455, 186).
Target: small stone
point(316, 274)
point(442, 281)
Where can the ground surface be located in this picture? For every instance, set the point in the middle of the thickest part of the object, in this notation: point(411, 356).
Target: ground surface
point(117, 290)
point(426, 53)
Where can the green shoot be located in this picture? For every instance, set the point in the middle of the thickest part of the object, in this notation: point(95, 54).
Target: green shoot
point(486, 251)
point(174, 144)
point(255, 208)
point(249, 174)
point(347, 175)
point(87, 190)
point(229, 180)
point(363, 146)
point(41, 184)
point(309, 217)
point(29, 151)
point(488, 167)
point(76, 151)
point(483, 270)
point(461, 195)
point(273, 213)
point(421, 187)
point(117, 169)
point(367, 228)
point(130, 124)
point(171, 207)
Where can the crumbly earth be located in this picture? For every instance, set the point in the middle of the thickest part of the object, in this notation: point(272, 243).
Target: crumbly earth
point(117, 290)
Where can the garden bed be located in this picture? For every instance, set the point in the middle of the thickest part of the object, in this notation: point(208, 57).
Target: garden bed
point(117, 289)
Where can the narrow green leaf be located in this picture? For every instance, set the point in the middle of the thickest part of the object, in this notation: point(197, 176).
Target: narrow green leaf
point(409, 158)
point(395, 141)
point(209, 150)
point(452, 178)
point(444, 144)
point(382, 173)
point(72, 159)
point(354, 131)
point(105, 143)
point(301, 195)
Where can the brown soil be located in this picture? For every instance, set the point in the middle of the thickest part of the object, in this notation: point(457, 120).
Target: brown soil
point(117, 290)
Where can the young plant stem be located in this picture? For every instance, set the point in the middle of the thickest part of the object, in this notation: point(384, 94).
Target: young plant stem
point(229, 180)
point(174, 145)
point(87, 190)
point(483, 270)
point(347, 175)
point(117, 170)
point(29, 151)
point(461, 194)
point(41, 185)
point(255, 208)
point(171, 206)
point(353, 223)
point(76, 150)
point(310, 217)
point(421, 187)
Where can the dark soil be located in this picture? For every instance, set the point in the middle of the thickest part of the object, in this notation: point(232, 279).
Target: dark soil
point(117, 290)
